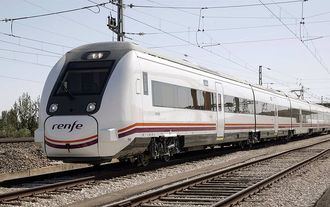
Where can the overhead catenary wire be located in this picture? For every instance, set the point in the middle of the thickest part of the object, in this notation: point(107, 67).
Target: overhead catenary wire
point(246, 17)
point(161, 19)
point(229, 43)
point(20, 79)
point(52, 32)
point(264, 40)
point(227, 28)
point(297, 37)
point(34, 40)
point(221, 17)
point(209, 7)
point(181, 10)
point(29, 47)
point(317, 15)
point(53, 13)
point(69, 19)
point(24, 61)
point(29, 53)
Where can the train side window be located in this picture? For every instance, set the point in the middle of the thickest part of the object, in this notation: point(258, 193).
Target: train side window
point(236, 104)
point(169, 95)
point(284, 111)
point(145, 83)
point(207, 101)
point(219, 102)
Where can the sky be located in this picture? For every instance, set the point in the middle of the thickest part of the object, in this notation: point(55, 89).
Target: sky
point(230, 36)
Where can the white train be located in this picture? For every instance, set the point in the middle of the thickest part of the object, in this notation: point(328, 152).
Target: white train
point(116, 100)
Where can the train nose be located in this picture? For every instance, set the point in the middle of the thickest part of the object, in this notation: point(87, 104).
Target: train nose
point(71, 136)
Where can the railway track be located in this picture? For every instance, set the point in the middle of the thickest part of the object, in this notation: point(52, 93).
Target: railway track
point(41, 187)
point(228, 187)
point(16, 140)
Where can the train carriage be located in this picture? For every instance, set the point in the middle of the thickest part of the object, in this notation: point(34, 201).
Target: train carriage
point(265, 111)
point(116, 100)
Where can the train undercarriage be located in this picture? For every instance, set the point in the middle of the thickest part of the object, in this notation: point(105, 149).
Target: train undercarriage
point(164, 148)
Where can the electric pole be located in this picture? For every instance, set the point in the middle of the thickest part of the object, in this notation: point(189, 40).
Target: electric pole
point(117, 25)
point(260, 73)
point(301, 91)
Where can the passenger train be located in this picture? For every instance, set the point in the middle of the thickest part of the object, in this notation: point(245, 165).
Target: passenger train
point(116, 100)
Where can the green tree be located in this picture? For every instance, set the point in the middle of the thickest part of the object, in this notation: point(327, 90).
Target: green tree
point(27, 112)
point(22, 119)
point(10, 123)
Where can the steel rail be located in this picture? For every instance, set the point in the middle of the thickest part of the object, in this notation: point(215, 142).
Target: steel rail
point(16, 140)
point(17, 195)
point(237, 197)
point(137, 200)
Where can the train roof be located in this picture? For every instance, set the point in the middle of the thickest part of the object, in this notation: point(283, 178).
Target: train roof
point(125, 47)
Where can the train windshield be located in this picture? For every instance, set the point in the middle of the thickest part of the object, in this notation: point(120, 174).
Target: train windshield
point(83, 82)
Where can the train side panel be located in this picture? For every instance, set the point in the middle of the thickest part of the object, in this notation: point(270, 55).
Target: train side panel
point(265, 113)
point(239, 111)
point(170, 106)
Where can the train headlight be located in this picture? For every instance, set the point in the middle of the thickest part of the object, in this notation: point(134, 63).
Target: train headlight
point(91, 107)
point(96, 55)
point(53, 108)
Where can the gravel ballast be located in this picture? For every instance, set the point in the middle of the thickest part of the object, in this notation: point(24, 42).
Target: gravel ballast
point(15, 157)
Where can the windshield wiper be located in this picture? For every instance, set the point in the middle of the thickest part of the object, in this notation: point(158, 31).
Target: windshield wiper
point(65, 86)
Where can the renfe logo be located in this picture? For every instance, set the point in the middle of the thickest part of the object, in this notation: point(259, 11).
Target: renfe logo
point(70, 127)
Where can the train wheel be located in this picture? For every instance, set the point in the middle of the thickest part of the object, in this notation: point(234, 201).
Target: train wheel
point(242, 145)
point(143, 160)
point(166, 158)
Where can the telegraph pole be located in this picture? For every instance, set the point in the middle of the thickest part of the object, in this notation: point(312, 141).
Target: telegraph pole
point(117, 25)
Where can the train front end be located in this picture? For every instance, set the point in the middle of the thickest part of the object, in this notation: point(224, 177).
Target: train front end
point(71, 105)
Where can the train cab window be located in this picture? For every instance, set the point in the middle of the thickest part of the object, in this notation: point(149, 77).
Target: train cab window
point(80, 84)
point(83, 82)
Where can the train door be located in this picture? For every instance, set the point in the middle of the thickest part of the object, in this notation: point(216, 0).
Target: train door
point(220, 112)
point(276, 115)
